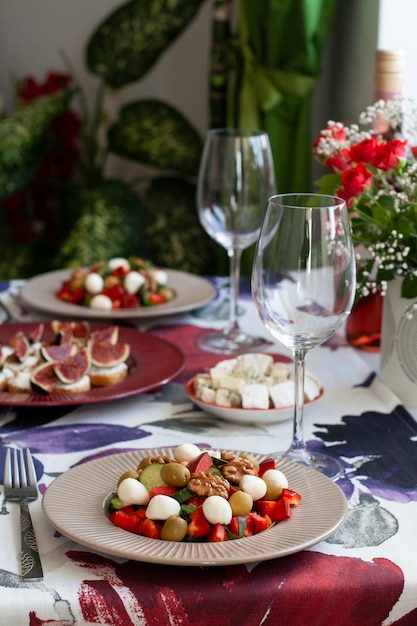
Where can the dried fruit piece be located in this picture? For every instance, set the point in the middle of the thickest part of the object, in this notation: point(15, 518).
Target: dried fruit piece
point(43, 379)
point(104, 354)
point(74, 367)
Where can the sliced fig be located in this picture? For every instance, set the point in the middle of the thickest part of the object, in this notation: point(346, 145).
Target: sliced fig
point(77, 330)
point(109, 334)
point(43, 379)
point(20, 345)
point(36, 334)
point(57, 352)
point(104, 354)
point(74, 367)
point(58, 326)
point(81, 330)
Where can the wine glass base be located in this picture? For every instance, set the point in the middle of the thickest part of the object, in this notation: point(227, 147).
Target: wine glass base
point(236, 343)
point(323, 463)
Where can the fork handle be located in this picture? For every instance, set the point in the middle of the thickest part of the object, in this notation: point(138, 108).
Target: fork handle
point(30, 560)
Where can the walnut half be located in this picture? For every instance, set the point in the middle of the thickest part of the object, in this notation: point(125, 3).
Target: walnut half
point(236, 467)
point(208, 485)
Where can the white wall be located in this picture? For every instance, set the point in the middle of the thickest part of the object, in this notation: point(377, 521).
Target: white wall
point(34, 32)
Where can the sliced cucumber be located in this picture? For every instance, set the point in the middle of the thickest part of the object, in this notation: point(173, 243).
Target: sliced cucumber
point(150, 476)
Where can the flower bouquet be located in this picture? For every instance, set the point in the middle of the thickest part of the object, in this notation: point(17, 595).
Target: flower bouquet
point(377, 177)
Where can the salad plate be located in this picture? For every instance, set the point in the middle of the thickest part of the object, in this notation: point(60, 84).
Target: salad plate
point(75, 504)
point(191, 292)
point(145, 371)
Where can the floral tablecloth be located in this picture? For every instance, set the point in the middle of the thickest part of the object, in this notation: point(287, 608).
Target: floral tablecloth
point(364, 574)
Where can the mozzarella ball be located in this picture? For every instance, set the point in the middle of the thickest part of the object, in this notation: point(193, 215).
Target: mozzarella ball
point(277, 476)
point(131, 491)
point(253, 485)
point(133, 281)
point(101, 302)
point(217, 510)
point(93, 283)
point(216, 454)
point(161, 507)
point(160, 276)
point(117, 262)
point(186, 452)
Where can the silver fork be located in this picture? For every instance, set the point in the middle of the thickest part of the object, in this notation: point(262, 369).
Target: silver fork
point(20, 485)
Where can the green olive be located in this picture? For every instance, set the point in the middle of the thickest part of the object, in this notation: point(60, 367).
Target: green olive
point(241, 503)
point(175, 474)
point(273, 490)
point(129, 474)
point(174, 529)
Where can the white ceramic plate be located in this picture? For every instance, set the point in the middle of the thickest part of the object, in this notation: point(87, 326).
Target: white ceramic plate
point(74, 504)
point(248, 416)
point(191, 292)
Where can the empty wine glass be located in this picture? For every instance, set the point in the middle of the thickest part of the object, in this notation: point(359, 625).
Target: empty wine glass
point(236, 178)
point(303, 286)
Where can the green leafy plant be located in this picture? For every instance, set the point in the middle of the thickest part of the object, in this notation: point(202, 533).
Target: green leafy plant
point(100, 216)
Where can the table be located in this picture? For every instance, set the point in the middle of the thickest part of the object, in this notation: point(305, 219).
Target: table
point(364, 574)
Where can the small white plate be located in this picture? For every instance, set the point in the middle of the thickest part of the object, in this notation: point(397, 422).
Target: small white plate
point(248, 416)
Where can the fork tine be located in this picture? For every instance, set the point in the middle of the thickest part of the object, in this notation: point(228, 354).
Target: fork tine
point(7, 469)
point(30, 468)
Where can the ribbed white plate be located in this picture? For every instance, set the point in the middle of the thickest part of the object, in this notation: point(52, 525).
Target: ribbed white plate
point(74, 504)
point(191, 292)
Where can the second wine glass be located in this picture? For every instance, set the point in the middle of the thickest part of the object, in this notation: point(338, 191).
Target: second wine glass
point(303, 286)
point(236, 178)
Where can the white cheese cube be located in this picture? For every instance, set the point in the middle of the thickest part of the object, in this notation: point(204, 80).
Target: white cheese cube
point(311, 388)
point(282, 394)
point(222, 369)
point(255, 365)
point(201, 380)
point(225, 397)
point(207, 394)
point(280, 372)
point(255, 396)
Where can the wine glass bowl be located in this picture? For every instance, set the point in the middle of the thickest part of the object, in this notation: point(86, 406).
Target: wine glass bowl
point(236, 178)
point(303, 287)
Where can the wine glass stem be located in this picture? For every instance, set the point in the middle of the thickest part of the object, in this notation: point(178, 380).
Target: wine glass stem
point(298, 444)
point(234, 255)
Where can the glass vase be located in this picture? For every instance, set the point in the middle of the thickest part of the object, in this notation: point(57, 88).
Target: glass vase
point(363, 326)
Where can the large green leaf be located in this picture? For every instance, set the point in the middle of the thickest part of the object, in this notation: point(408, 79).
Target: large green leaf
point(173, 235)
point(109, 224)
point(22, 139)
point(126, 45)
point(152, 132)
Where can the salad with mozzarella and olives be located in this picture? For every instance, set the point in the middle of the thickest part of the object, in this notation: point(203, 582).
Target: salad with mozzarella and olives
point(202, 495)
point(117, 284)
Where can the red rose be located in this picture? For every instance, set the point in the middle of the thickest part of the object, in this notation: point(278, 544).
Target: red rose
point(339, 161)
point(365, 150)
point(390, 154)
point(355, 181)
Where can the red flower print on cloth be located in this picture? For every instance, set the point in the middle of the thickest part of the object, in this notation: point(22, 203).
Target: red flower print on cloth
point(305, 588)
